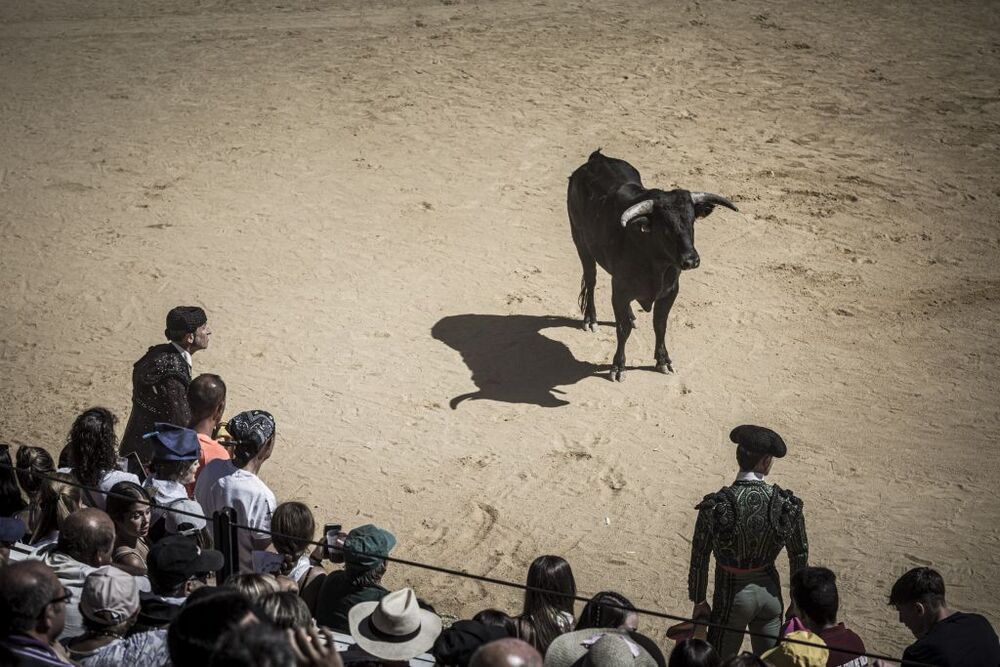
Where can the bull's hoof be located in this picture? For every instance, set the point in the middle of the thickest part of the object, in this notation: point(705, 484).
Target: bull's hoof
point(665, 368)
point(589, 325)
point(617, 375)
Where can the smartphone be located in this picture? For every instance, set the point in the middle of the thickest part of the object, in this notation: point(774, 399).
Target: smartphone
point(330, 532)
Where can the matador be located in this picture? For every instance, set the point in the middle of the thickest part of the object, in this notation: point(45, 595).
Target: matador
point(746, 525)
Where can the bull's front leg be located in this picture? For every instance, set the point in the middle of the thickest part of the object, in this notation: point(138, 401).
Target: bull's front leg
point(661, 310)
point(623, 327)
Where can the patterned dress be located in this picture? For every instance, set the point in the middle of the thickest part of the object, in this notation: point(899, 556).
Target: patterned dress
point(746, 525)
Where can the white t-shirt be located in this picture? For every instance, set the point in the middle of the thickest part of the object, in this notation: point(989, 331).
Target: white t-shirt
point(254, 503)
point(210, 474)
point(163, 491)
point(108, 479)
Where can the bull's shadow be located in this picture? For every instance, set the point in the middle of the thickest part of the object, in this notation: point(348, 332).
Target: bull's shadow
point(511, 361)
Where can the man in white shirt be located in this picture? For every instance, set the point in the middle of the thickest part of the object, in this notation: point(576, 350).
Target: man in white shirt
point(212, 473)
point(235, 483)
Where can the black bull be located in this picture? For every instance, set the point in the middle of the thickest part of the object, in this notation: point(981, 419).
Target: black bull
point(643, 238)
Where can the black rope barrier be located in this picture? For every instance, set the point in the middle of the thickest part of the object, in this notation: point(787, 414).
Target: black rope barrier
point(478, 577)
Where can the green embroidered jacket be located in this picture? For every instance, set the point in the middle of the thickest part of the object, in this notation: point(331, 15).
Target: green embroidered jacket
point(746, 525)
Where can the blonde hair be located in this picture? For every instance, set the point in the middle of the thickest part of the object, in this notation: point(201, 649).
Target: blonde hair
point(253, 585)
point(58, 497)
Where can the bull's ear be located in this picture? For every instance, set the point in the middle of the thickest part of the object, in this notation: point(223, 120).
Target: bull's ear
point(705, 203)
point(630, 193)
point(703, 210)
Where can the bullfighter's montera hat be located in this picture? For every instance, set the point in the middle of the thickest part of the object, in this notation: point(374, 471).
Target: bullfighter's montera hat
point(759, 440)
point(185, 319)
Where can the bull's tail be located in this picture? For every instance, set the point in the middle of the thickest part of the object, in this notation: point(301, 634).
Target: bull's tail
point(586, 294)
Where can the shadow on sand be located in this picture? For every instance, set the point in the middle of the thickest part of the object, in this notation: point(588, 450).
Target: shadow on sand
point(510, 359)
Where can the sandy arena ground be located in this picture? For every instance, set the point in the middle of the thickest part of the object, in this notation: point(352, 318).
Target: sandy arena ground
point(369, 200)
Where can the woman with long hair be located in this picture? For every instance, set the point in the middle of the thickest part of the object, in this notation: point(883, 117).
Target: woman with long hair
point(608, 609)
point(32, 464)
point(550, 610)
point(129, 507)
point(58, 497)
point(614, 612)
point(11, 501)
point(93, 455)
point(294, 528)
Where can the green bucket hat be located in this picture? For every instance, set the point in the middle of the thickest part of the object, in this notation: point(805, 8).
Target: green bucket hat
point(367, 546)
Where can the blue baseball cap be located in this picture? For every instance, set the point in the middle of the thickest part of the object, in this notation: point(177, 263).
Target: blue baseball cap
point(174, 443)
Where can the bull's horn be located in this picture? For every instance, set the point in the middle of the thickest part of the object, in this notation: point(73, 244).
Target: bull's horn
point(644, 207)
point(709, 198)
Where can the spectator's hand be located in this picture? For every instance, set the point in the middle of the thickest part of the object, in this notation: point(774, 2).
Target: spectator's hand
point(335, 551)
point(310, 651)
point(701, 610)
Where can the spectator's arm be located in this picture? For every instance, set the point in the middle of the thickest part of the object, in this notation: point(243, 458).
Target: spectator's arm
point(259, 518)
point(798, 546)
point(701, 550)
point(132, 564)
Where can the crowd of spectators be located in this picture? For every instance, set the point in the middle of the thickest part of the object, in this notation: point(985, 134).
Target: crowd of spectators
point(109, 561)
point(101, 568)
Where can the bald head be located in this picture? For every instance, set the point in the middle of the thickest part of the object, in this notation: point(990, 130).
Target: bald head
point(26, 588)
point(508, 652)
point(88, 536)
point(207, 397)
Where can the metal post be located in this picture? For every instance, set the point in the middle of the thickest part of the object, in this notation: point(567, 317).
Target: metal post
point(224, 521)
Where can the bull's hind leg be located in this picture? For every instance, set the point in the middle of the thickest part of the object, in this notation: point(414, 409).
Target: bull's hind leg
point(623, 327)
point(661, 310)
point(587, 283)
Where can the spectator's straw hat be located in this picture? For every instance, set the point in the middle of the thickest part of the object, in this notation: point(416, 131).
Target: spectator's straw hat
point(395, 627)
point(110, 596)
point(787, 654)
point(597, 647)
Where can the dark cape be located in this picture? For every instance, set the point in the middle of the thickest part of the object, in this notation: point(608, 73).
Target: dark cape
point(159, 394)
